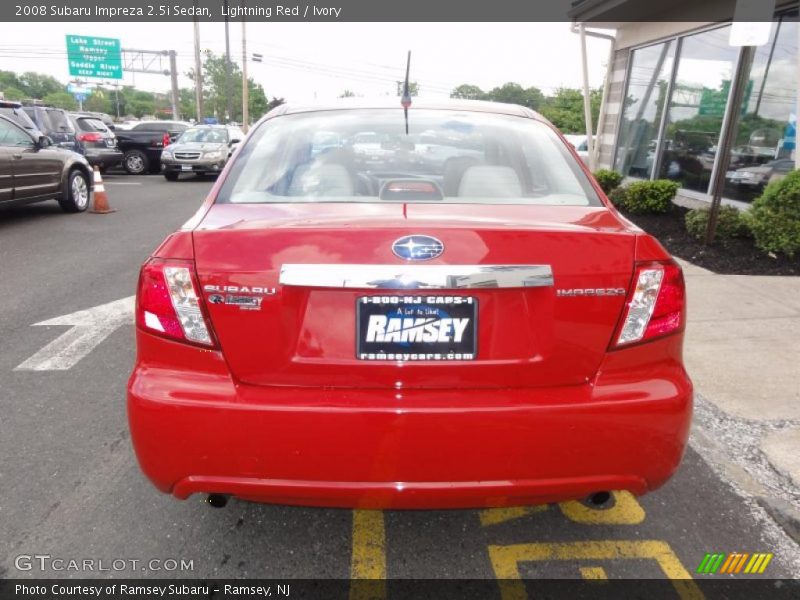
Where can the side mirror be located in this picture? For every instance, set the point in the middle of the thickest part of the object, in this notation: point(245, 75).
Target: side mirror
point(42, 142)
point(234, 142)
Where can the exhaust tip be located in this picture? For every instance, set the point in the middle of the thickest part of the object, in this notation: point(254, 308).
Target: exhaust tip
point(599, 499)
point(217, 500)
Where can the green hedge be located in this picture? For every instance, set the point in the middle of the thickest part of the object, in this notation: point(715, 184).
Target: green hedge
point(730, 223)
point(774, 218)
point(608, 179)
point(645, 197)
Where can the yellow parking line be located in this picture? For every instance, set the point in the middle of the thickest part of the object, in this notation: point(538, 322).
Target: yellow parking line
point(505, 562)
point(626, 511)
point(368, 564)
point(495, 516)
point(597, 573)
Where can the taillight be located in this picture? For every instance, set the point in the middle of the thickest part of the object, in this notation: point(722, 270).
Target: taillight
point(656, 304)
point(90, 137)
point(168, 302)
point(165, 140)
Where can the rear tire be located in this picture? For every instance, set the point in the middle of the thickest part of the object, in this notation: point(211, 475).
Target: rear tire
point(135, 162)
point(170, 176)
point(76, 197)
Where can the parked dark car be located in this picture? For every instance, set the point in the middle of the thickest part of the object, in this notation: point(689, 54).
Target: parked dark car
point(54, 123)
point(201, 149)
point(95, 141)
point(142, 144)
point(15, 112)
point(33, 170)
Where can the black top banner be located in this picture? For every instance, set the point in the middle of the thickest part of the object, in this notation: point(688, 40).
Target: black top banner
point(590, 11)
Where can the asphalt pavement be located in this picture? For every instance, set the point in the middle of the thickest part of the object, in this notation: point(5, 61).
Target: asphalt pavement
point(70, 487)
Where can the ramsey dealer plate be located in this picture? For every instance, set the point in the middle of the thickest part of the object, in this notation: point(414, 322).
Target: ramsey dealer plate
point(416, 328)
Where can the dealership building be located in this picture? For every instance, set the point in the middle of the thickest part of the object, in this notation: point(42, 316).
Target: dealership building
point(668, 94)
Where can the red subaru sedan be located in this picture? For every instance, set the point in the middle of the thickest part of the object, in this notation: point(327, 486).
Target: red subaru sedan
point(431, 308)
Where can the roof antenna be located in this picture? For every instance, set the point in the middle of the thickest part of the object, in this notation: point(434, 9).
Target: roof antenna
point(405, 101)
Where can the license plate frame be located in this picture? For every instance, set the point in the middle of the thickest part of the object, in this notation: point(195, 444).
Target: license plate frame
point(414, 342)
point(186, 167)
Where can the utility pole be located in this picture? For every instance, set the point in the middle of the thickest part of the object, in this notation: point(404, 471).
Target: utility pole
point(173, 74)
point(245, 86)
point(228, 90)
point(198, 74)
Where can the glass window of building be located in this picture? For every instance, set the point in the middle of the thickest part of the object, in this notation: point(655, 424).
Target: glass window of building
point(697, 107)
point(764, 147)
point(648, 81)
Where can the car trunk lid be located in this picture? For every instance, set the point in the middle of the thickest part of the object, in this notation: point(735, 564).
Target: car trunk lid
point(304, 333)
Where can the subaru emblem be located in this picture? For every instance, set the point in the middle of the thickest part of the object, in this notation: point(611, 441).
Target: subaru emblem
point(417, 247)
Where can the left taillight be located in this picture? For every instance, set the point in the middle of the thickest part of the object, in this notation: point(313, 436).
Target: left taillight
point(165, 140)
point(168, 302)
point(90, 137)
point(656, 304)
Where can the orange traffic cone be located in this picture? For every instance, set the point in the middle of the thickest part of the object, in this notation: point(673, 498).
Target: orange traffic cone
point(100, 205)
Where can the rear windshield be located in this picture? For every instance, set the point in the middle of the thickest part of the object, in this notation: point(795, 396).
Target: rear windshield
point(367, 156)
point(91, 125)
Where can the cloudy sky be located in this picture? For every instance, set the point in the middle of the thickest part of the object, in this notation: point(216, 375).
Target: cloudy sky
point(307, 60)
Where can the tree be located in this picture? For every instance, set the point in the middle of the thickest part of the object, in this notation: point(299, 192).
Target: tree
point(13, 93)
point(565, 109)
point(514, 93)
point(98, 102)
point(215, 94)
point(8, 79)
point(61, 100)
point(38, 85)
point(135, 102)
point(468, 92)
point(413, 88)
point(274, 103)
point(186, 102)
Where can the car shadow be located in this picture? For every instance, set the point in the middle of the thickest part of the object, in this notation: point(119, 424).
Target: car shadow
point(10, 215)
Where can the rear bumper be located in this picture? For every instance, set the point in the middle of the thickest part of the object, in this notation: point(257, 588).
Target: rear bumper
point(103, 158)
point(196, 430)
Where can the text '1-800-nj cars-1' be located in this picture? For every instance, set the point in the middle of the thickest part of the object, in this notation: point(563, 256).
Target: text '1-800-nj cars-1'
point(425, 308)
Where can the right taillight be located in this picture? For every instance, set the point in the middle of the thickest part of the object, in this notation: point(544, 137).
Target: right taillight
point(168, 302)
point(656, 304)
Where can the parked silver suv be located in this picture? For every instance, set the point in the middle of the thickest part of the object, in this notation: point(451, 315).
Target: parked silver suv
point(200, 150)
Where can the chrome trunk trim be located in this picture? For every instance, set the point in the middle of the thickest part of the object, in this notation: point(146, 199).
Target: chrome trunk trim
point(406, 277)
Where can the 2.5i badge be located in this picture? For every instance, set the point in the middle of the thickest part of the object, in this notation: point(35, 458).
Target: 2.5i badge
point(413, 328)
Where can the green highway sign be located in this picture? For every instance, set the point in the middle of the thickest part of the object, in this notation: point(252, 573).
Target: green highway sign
point(94, 57)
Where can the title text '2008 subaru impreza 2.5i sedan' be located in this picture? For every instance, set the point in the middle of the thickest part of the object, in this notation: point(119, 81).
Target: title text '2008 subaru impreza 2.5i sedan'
point(449, 316)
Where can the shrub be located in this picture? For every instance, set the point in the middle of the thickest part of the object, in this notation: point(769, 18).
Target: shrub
point(730, 223)
point(650, 197)
point(608, 179)
point(774, 218)
point(618, 197)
